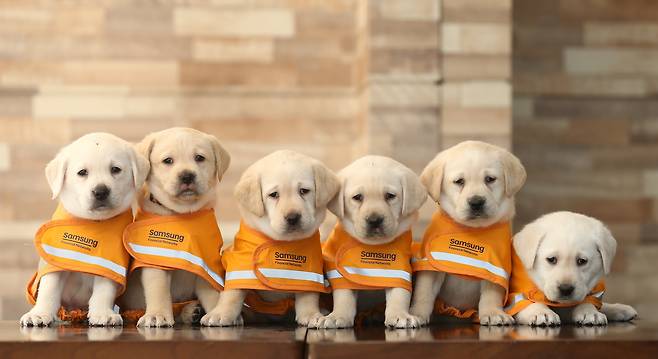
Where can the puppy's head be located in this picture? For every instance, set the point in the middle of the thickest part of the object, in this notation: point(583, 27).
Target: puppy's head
point(565, 254)
point(475, 182)
point(379, 199)
point(285, 195)
point(96, 176)
point(186, 166)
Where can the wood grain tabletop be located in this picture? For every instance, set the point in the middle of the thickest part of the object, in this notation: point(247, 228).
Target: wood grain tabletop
point(634, 340)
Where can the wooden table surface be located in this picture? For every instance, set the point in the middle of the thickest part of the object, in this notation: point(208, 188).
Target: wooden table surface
point(638, 340)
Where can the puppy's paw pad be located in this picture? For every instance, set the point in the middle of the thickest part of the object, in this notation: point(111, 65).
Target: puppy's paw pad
point(333, 321)
point(401, 320)
point(191, 313)
point(591, 318)
point(37, 319)
point(156, 320)
point(104, 319)
point(218, 319)
point(497, 318)
point(310, 320)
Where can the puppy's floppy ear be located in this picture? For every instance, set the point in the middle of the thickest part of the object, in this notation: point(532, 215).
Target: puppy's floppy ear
point(607, 246)
point(337, 203)
point(326, 184)
point(526, 243)
point(145, 146)
point(515, 174)
point(413, 192)
point(140, 167)
point(56, 172)
point(432, 175)
point(222, 157)
point(249, 194)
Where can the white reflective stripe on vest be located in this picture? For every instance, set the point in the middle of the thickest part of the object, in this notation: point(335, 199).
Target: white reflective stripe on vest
point(278, 273)
point(172, 253)
point(598, 295)
point(85, 258)
point(333, 274)
point(455, 258)
point(517, 298)
point(240, 274)
point(382, 273)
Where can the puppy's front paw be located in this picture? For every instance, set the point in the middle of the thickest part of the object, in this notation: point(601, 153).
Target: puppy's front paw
point(37, 319)
point(191, 313)
point(221, 319)
point(157, 319)
point(401, 319)
point(619, 312)
point(104, 319)
point(538, 315)
point(335, 320)
point(310, 320)
point(422, 316)
point(495, 317)
point(588, 315)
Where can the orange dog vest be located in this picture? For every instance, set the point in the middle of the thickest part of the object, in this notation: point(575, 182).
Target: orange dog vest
point(350, 264)
point(473, 253)
point(255, 261)
point(67, 243)
point(190, 242)
point(524, 292)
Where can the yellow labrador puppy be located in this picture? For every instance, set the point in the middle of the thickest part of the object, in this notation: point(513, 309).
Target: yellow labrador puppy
point(186, 166)
point(95, 178)
point(370, 248)
point(283, 200)
point(561, 260)
point(474, 184)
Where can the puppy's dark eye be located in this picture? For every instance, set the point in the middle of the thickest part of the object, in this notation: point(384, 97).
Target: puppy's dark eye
point(389, 196)
point(551, 260)
point(274, 195)
point(82, 173)
point(168, 161)
point(303, 191)
point(115, 170)
point(199, 158)
point(459, 182)
point(358, 197)
point(581, 261)
point(489, 179)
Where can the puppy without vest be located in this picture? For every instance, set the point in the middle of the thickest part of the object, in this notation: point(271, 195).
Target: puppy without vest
point(83, 264)
point(175, 240)
point(558, 271)
point(276, 253)
point(370, 247)
point(464, 262)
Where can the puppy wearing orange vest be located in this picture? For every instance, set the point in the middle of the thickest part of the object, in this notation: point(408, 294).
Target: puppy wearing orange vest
point(370, 247)
point(558, 270)
point(464, 261)
point(276, 254)
point(175, 241)
point(83, 264)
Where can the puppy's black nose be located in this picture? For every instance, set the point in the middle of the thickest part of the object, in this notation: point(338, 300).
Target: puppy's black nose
point(293, 218)
point(565, 289)
point(101, 192)
point(477, 203)
point(187, 177)
point(374, 221)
